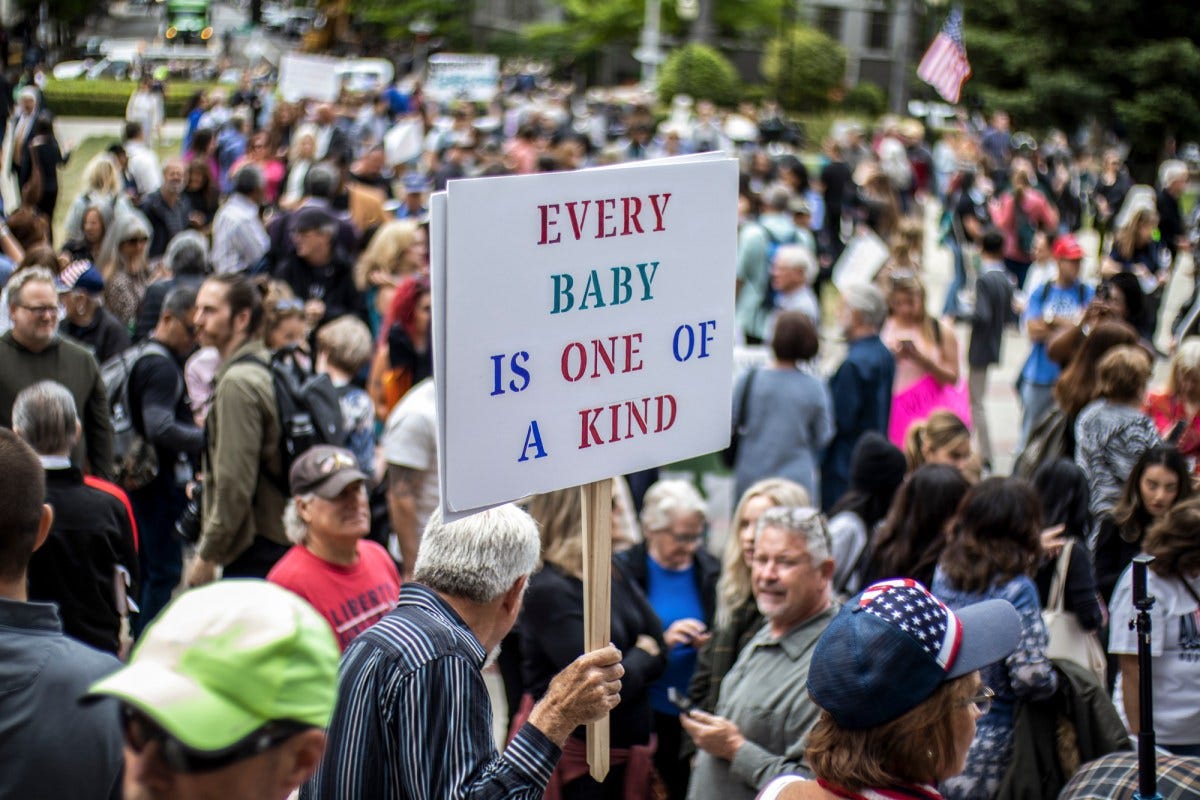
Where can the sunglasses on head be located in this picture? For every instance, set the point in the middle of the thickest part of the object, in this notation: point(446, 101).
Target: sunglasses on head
point(140, 731)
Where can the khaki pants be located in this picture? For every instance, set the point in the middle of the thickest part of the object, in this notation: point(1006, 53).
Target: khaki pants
point(977, 389)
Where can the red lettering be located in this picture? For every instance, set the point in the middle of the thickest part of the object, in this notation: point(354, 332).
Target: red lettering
point(668, 400)
point(577, 222)
point(590, 435)
point(548, 223)
point(604, 216)
point(631, 216)
point(566, 361)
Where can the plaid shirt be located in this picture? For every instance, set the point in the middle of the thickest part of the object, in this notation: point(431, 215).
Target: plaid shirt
point(1115, 777)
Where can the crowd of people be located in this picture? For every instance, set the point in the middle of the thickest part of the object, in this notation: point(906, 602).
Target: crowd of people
point(219, 387)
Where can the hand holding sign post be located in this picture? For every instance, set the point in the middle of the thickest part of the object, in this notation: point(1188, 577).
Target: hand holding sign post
point(583, 328)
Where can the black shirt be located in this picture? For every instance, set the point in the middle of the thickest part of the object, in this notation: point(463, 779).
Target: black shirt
point(165, 220)
point(105, 336)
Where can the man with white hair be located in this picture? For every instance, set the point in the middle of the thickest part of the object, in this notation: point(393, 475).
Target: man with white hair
point(351, 581)
point(764, 711)
point(413, 717)
point(27, 111)
point(1172, 180)
point(792, 271)
point(861, 389)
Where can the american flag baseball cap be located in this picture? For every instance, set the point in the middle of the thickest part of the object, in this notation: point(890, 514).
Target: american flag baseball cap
point(890, 648)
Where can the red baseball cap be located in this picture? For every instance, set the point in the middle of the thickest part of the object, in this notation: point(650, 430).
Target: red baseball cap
point(1066, 247)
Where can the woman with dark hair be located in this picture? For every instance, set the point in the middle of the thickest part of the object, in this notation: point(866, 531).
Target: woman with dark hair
point(41, 190)
point(1158, 481)
point(877, 468)
point(201, 193)
point(786, 416)
point(1063, 489)
point(993, 552)
point(1174, 581)
point(912, 538)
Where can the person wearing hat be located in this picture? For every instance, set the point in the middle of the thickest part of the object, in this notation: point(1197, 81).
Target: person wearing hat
point(416, 186)
point(318, 271)
point(1058, 305)
point(988, 316)
point(228, 694)
point(896, 676)
point(87, 321)
point(351, 581)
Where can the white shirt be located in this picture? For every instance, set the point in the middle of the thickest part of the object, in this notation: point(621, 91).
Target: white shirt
point(410, 440)
point(143, 167)
point(238, 236)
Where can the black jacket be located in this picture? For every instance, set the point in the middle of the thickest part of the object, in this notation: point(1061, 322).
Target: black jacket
point(105, 336)
point(76, 567)
point(708, 570)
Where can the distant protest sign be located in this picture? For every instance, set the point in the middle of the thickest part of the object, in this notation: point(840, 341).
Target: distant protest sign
point(458, 76)
point(583, 325)
point(309, 78)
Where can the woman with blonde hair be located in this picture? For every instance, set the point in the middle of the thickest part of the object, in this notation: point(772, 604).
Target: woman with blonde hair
point(1136, 250)
point(943, 438)
point(1175, 408)
point(395, 251)
point(926, 352)
point(737, 616)
point(302, 154)
point(102, 186)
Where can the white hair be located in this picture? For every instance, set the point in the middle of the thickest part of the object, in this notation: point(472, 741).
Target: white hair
point(480, 557)
point(1170, 171)
point(295, 528)
point(799, 521)
point(868, 301)
point(797, 256)
point(665, 499)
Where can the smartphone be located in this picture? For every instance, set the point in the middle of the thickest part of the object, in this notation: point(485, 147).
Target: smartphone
point(680, 700)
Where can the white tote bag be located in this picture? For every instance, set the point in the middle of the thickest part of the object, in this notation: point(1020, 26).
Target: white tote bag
point(1068, 640)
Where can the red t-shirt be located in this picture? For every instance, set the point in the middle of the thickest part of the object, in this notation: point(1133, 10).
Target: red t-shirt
point(351, 599)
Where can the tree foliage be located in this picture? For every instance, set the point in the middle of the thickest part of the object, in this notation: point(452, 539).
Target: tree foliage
point(805, 67)
point(699, 71)
point(451, 21)
point(1129, 65)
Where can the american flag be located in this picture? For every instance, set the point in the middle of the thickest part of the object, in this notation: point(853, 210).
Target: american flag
point(909, 606)
point(945, 66)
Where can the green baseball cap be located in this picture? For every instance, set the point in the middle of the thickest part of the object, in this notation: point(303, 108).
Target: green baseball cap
point(225, 659)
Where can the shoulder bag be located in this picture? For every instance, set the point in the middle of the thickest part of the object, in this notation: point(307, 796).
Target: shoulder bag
point(1068, 640)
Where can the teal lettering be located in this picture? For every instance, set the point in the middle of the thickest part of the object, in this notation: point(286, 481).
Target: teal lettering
point(563, 299)
point(647, 279)
point(622, 291)
point(592, 290)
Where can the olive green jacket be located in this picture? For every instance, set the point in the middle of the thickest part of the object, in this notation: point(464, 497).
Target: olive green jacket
point(241, 498)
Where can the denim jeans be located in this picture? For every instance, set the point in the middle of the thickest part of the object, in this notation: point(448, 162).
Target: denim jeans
point(156, 507)
point(1036, 400)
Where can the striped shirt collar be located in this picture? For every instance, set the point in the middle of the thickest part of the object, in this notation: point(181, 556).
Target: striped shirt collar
point(421, 597)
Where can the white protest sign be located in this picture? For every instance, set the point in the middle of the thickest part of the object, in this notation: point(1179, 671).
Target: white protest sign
point(309, 78)
point(458, 76)
point(583, 325)
point(860, 262)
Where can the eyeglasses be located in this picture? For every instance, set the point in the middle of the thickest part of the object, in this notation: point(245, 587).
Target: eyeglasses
point(140, 731)
point(41, 311)
point(687, 539)
point(981, 703)
point(137, 240)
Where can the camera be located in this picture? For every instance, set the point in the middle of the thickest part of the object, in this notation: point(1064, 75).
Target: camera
point(187, 527)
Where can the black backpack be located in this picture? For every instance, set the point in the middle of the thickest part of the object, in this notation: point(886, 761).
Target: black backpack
point(135, 461)
point(308, 407)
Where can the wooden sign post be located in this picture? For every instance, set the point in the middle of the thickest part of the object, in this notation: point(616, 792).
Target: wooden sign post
point(597, 600)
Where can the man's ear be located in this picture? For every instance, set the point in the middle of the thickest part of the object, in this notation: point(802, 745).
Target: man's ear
point(44, 525)
point(512, 598)
point(301, 758)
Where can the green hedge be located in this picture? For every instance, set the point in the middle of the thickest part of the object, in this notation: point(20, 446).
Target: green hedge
point(107, 98)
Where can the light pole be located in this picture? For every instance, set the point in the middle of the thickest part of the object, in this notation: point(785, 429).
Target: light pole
point(649, 51)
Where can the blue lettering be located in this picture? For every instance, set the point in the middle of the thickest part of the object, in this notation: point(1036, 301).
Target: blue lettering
point(533, 438)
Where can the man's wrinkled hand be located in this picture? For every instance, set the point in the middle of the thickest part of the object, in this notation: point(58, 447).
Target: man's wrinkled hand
point(714, 735)
point(584, 692)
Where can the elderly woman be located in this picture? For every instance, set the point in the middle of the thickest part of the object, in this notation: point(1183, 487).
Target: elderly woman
point(1176, 408)
point(679, 578)
point(993, 553)
point(1111, 432)
point(896, 719)
point(551, 636)
point(1174, 582)
point(124, 267)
